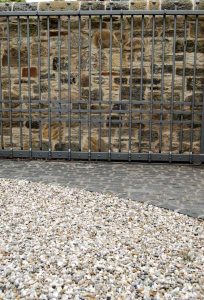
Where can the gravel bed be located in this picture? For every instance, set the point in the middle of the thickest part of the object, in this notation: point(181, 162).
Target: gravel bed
point(61, 243)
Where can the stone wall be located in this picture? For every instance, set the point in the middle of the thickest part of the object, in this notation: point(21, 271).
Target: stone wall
point(80, 90)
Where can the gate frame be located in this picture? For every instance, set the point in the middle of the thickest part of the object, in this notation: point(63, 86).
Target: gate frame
point(108, 156)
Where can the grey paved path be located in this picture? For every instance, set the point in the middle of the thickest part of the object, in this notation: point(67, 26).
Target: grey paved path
point(179, 188)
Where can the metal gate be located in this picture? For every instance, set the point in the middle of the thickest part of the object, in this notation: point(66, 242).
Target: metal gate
point(102, 85)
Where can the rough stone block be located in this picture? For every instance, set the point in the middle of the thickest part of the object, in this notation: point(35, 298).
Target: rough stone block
point(63, 63)
point(154, 5)
point(189, 72)
point(94, 95)
point(113, 121)
point(138, 5)
point(201, 4)
point(190, 47)
point(125, 93)
point(14, 57)
point(59, 5)
point(117, 5)
point(5, 6)
point(182, 4)
point(32, 124)
point(199, 82)
point(33, 72)
point(22, 6)
point(43, 88)
point(117, 80)
point(92, 5)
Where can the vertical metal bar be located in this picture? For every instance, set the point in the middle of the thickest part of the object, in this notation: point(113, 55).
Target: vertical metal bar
point(49, 90)
point(29, 87)
point(202, 129)
point(39, 83)
point(172, 85)
point(183, 85)
point(59, 78)
point(9, 86)
point(130, 100)
point(69, 86)
point(152, 82)
point(110, 85)
point(194, 84)
point(79, 73)
point(141, 83)
point(89, 100)
point(120, 93)
point(19, 82)
point(100, 83)
point(162, 82)
point(1, 107)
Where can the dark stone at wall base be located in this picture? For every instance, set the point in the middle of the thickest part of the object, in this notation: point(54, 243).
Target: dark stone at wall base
point(145, 135)
point(65, 147)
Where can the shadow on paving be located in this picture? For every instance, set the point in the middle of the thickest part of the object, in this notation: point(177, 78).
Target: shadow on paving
point(175, 187)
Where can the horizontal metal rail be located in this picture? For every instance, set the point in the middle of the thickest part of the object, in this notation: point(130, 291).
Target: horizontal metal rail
point(115, 156)
point(103, 13)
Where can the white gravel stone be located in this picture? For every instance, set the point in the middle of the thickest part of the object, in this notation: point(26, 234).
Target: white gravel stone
point(60, 243)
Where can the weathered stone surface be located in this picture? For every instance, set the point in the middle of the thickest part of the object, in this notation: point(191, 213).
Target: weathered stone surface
point(5, 6)
point(63, 63)
point(190, 47)
point(32, 124)
point(154, 4)
point(190, 72)
point(92, 5)
point(13, 57)
point(199, 82)
point(181, 4)
point(137, 5)
point(33, 72)
point(117, 5)
point(94, 94)
point(43, 88)
point(24, 6)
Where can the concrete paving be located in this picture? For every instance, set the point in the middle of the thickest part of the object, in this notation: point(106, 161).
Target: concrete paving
point(176, 187)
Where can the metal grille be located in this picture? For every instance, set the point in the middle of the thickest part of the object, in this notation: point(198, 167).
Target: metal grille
point(98, 95)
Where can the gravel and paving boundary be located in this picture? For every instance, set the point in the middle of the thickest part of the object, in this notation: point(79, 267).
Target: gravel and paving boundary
point(64, 243)
point(175, 187)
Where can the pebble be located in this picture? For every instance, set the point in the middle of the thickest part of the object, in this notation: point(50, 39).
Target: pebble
point(62, 243)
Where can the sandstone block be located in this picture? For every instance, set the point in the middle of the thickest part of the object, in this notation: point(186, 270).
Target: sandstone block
point(138, 5)
point(33, 72)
